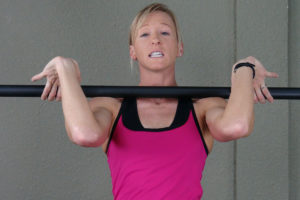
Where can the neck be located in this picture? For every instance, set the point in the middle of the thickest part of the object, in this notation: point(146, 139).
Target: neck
point(157, 78)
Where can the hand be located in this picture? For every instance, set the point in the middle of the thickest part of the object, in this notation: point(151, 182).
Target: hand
point(52, 88)
point(261, 92)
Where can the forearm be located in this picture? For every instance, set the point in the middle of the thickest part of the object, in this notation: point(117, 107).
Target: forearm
point(235, 120)
point(240, 106)
point(79, 119)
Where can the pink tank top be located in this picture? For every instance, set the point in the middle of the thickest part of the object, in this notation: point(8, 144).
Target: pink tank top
point(164, 163)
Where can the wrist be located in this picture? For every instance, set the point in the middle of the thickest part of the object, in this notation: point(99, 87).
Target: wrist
point(67, 73)
point(244, 65)
point(241, 76)
point(67, 70)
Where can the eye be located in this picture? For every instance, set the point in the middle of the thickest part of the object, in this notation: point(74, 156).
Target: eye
point(165, 33)
point(144, 35)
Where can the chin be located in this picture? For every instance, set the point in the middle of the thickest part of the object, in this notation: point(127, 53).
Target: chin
point(158, 68)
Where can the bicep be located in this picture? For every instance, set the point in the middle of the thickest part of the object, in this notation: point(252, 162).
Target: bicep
point(213, 114)
point(100, 108)
point(104, 118)
point(214, 109)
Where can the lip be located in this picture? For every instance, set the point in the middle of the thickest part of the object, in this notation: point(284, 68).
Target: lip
point(149, 55)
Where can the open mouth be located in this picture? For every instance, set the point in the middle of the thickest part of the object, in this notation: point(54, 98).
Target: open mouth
point(156, 54)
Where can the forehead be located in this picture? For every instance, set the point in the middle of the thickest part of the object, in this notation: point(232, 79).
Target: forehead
point(157, 17)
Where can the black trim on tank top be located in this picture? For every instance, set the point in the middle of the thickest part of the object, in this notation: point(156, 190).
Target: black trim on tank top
point(114, 126)
point(198, 126)
point(132, 121)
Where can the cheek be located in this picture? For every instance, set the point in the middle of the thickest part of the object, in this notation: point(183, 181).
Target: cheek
point(173, 44)
point(175, 49)
point(140, 51)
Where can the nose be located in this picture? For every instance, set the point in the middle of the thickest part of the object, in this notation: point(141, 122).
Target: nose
point(155, 39)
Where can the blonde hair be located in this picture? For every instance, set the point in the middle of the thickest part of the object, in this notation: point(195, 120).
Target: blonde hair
point(143, 14)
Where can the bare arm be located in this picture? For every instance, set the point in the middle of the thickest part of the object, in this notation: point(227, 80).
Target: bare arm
point(235, 119)
point(85, 125)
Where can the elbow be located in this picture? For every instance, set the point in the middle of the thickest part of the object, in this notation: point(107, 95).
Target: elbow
point(87, 138)
point(234, 131)
point(240, 130)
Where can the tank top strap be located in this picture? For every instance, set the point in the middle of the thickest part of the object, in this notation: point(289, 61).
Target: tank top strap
point(123, 105)
point(183, 111)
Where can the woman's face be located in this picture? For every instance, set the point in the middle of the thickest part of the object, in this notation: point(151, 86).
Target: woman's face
point(155, 45)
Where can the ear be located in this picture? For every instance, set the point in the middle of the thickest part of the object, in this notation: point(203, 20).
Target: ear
point(180, 49)
point(132, 52)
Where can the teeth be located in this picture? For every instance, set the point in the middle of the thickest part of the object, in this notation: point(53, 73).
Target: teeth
point(156, 54)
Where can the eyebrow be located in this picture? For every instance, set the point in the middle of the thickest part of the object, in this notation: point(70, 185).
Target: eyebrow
point(160, 23)
point(166, 24)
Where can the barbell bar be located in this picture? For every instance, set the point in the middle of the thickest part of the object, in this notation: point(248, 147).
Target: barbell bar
point(145, 91)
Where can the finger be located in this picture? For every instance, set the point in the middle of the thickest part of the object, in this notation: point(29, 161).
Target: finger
point(46, 90)
point(272, 74)
point(38, 76)
point(255, 98)
point(259, 95)
point(74, 62)
point(267, 94)
point(48, 69)
point(58, 95)
point(53, 91)
point(79, 77)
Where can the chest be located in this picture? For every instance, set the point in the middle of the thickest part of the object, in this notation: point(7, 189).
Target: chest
point(156, 116)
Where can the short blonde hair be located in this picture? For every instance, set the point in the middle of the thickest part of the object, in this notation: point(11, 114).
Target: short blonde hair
point(142, 15)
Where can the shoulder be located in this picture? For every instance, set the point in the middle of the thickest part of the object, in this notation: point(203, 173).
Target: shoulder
point(205, 104)
point(109, 103)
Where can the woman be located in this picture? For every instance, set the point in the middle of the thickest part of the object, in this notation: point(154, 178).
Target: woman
point(156, 147)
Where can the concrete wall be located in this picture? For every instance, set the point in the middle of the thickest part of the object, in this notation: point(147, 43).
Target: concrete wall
point(294, 108)
point(39, 162)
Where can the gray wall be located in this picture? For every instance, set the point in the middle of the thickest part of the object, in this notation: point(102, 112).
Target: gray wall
point(294, 107)
point(39, 162)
